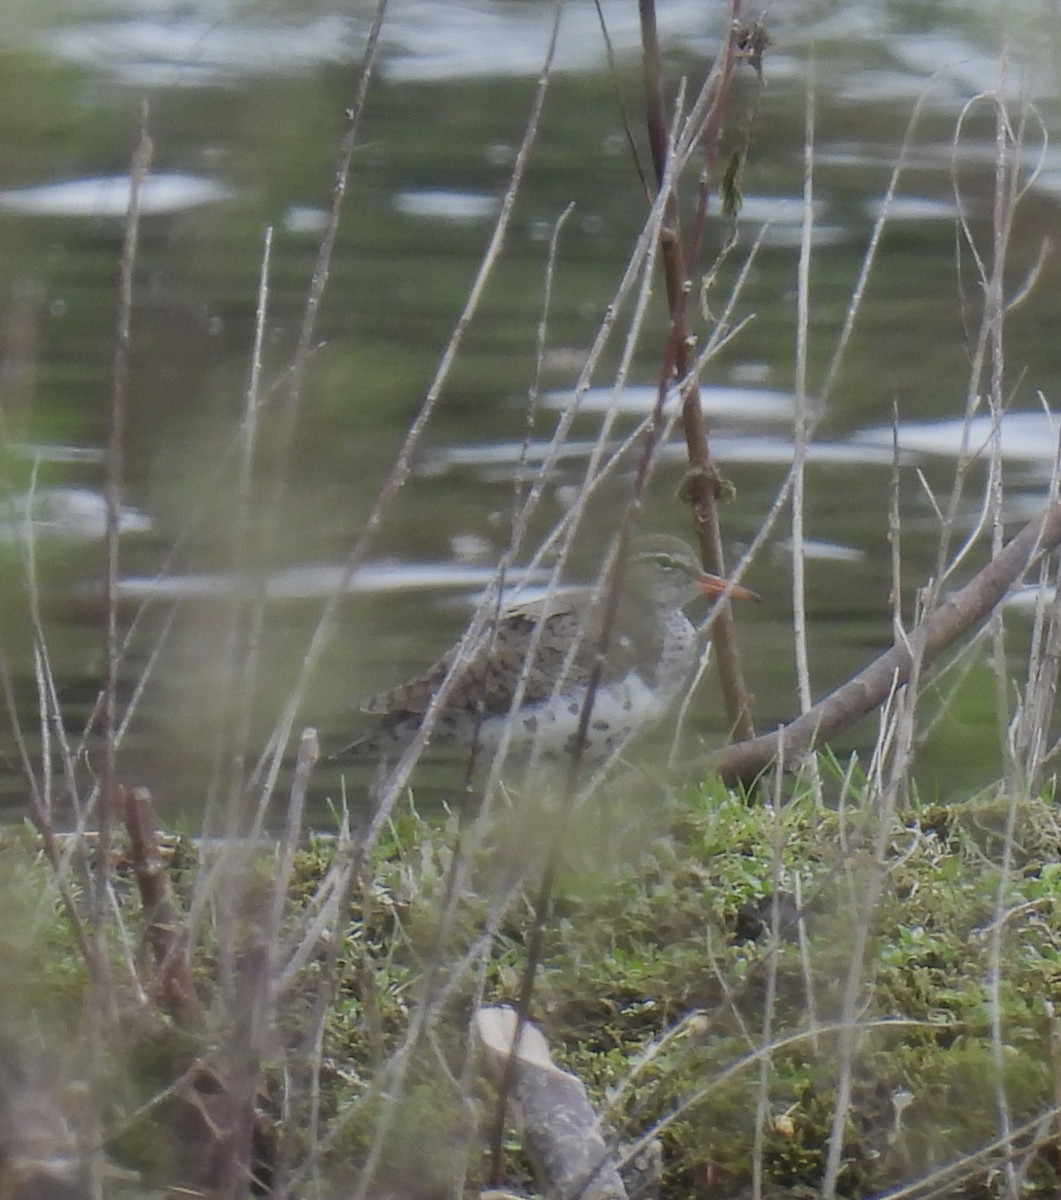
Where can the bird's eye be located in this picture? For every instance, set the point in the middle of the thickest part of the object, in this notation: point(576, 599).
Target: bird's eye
point(665, 561)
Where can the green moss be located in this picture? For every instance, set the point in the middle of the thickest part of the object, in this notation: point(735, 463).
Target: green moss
point(658, 985)
point(644, 934)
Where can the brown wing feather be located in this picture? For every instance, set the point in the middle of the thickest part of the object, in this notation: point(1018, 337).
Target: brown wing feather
point(492, 672)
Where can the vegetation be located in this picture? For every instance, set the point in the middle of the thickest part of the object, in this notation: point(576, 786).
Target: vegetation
point(665, 990)
point(811, 982)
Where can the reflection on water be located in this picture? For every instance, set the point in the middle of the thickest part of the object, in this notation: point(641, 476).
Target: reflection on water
point(195, 45)
point(1030, 436)
point(246, 112)
point(311, 582)
point(737, 403)
point(64, 512)
point(109, 197)
point(440, 205)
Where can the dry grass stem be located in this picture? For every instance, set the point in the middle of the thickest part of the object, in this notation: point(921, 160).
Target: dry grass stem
point(272, 759)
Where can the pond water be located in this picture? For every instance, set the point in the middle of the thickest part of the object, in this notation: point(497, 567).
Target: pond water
point(246, 109)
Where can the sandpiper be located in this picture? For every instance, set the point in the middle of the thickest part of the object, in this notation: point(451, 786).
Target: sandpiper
point(552, 648)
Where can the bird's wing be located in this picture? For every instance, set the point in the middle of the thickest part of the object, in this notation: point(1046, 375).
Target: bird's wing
point(492, 669)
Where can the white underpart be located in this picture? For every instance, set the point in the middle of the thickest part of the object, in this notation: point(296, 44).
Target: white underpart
point(621, 708)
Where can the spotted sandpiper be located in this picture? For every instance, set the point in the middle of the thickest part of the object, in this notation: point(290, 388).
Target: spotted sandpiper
point(552, 647)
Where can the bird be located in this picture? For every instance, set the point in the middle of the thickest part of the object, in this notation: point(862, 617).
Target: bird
point(553, 645)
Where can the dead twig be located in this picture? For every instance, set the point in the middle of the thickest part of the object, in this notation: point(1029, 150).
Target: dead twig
point(165, 932)
point(955, 616)
point(703, 486)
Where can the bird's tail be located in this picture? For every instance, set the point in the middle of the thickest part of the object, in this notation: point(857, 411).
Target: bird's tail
point(383, 741)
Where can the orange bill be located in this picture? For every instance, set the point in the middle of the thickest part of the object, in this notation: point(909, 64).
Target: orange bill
point(715, 585)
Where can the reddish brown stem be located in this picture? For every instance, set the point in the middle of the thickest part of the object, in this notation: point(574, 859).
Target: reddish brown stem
point(163, 927)
point(702, 489)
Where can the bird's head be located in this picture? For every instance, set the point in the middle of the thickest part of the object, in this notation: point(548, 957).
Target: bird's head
point(664, 571)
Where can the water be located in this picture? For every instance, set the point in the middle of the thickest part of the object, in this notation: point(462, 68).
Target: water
point(246, 104)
